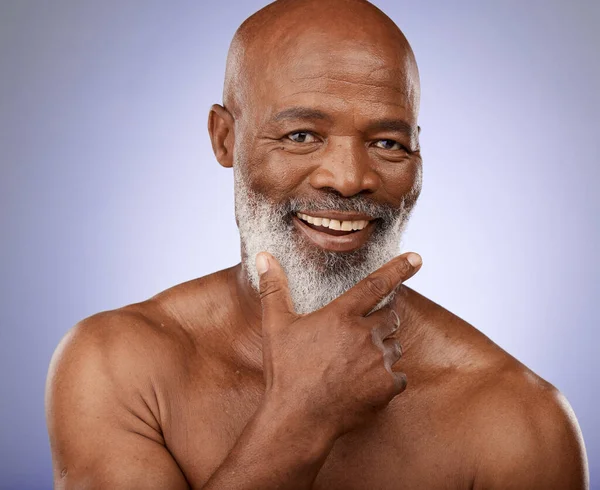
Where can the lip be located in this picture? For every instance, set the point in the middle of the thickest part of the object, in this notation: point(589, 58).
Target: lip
point(343, 243)
point(339, 215)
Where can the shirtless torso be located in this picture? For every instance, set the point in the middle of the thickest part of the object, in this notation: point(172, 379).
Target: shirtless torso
point(155, 395)
point(319, 123)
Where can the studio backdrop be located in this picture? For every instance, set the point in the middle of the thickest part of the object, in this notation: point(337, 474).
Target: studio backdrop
point(110, 193)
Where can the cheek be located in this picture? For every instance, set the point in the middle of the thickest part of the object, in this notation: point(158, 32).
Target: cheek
point(276, 174)
point(268, 169)
point(401, 179)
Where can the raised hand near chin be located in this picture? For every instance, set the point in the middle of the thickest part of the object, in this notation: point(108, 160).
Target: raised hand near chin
point(333, 366)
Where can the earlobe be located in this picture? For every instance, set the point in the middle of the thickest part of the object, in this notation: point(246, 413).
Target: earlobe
point(220, 130)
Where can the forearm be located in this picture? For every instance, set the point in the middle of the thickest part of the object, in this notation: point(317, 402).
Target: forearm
point(276, 450)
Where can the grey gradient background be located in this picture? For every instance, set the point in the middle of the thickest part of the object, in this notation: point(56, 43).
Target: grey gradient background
point(109, 191)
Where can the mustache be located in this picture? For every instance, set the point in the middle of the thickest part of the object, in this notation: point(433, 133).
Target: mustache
point(332, 202)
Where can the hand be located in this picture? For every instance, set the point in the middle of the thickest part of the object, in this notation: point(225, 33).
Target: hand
point(333, 366)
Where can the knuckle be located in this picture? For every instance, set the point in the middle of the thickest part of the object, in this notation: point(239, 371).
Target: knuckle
point(378, 285)
point(369, 339)
point(268, 287)
point(341, 318)
point(399, 382)
point(403, 268)
point(396, 349)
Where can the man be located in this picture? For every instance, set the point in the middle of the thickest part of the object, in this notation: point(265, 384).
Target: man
point(310, 364)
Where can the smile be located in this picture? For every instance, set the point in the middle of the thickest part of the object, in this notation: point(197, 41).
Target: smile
point(334, 231)
point(332, 223)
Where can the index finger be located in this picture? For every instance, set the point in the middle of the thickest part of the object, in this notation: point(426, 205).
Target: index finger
point(369, 292)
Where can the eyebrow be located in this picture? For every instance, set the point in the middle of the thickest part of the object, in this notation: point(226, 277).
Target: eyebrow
point(300, 113)
point(397, 125)
point(296, 113)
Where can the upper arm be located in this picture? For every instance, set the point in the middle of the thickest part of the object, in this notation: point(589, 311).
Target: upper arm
point(535, 444)
point(103, 433)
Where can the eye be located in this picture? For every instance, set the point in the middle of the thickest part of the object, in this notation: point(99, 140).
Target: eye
point(389, 145)
point(302, 137)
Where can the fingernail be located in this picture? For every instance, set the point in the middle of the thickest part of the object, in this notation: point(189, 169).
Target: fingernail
point(262, 264)
point(414, 260)
point(397, 321)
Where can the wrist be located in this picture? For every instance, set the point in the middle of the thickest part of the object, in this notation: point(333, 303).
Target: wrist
point(304, 434)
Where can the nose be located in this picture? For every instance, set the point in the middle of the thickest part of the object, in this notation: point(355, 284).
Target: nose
point(346, 168)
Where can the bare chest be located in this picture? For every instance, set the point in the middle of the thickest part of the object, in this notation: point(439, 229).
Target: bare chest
point(406, 446)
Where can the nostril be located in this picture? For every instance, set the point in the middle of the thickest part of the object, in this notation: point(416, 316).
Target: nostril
point(345, 181)
point(332, 190)
point(338, 193)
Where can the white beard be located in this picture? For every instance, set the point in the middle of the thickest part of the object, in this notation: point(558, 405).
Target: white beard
point(315, 276)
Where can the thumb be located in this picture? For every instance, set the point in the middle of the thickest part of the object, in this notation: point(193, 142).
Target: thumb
point(274, 290)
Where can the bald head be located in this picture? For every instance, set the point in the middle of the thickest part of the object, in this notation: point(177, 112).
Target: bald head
point(321, 103)
point(330, 36)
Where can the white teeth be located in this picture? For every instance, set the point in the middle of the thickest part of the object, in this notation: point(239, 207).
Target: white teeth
point(334, 224)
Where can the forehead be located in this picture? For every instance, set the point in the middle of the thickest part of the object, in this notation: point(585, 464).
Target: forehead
point(337, 75)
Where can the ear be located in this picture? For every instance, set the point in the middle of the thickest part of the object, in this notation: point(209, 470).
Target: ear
point(220, 130)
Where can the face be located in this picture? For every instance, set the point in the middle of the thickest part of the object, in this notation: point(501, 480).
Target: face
point(327, 165)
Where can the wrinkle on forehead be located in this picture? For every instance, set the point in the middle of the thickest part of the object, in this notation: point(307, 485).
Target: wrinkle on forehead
point(401, 86)
point(298, 41)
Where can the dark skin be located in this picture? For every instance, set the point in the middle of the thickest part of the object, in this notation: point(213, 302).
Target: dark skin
point(213, 385)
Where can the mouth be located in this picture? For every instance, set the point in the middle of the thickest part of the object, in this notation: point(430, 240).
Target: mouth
point(334, 231)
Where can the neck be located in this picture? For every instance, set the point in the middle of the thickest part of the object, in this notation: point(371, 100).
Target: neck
point(248, 319)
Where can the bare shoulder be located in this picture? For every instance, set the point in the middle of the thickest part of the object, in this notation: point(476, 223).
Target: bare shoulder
point(121, 341)
point(523, 432)
point(106, 399)
point(518, 430)
point(102, 411)
point(108, 364)
point(138, 341)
